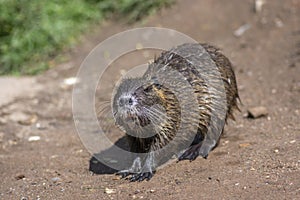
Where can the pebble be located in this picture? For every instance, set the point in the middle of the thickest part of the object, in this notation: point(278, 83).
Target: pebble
point(34, 138)
point(278, 23)
point(70, 81)
point(109, 191)
point(31, 120)
point(55, 179)
point(258, 4)
point(256, 112)
point(115, 178)
point(292, 141)
point(137, 191)
point(241, 30)
point(19, 176)
point(40, 126)
point(273, 91)
point(243, 145)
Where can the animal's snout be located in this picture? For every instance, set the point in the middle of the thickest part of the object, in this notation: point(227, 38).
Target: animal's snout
point(126, 101)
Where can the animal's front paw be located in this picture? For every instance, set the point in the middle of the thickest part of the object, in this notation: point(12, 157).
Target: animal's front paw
point(135, 168)
point(141, 176)
point(191, 153)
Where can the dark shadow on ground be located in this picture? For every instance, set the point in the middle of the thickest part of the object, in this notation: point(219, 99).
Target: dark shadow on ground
point(111, 158)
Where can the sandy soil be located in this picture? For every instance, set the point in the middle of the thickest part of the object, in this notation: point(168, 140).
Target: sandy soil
point(256, 159)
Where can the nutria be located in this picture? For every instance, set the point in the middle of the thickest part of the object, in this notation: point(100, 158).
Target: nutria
point(150, 112)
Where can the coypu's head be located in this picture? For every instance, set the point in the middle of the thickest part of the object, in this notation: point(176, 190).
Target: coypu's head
point(136, 106)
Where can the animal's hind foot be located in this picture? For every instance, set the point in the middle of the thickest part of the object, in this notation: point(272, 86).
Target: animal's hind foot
point(123, 173)
point(141, 176)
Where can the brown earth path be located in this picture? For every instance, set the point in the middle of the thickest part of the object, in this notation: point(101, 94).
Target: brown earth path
point(256, 158)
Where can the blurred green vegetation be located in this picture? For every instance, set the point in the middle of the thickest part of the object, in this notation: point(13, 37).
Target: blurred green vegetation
point(35, 31)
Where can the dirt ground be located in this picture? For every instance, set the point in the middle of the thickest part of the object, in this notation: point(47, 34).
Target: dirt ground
point(42, 157)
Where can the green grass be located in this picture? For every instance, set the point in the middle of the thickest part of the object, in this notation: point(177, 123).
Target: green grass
point(34, 32)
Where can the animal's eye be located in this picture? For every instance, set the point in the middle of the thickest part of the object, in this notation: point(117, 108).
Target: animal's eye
point(148, 89)
point(121, 102)
point(158, 86)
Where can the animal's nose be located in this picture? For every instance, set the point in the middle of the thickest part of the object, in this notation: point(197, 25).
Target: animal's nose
point(126, 101)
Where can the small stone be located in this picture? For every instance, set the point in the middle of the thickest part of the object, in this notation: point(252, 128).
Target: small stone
point(243, 145)
point(70, 81)
point(292, 141)
point(252, 169)
point(123, 72)
point(79, 151)
point(278, 23)
point(12, 142)
point(226, 142)
point(115, 178)
point(256, 112)
point(137, 191)
point(273, 91)
point(152, 191)
point(258, 5)
point(34, 138)
point(109, 191)
point(276, 150)
point(31, 120)
point(19, 176)
point(55, 179)
point(241, 30)
point(40, 126)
